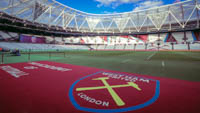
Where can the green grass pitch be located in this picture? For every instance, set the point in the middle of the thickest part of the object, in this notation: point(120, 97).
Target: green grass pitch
point(171, 64)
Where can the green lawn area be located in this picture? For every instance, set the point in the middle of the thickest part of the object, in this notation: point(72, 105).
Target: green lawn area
point(171, 64)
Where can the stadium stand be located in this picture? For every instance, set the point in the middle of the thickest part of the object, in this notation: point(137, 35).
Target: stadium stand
point(40, 47)
point(195, 46)
point(110, 47)
point(59, 47)
point(140, 47)
point(153, 37)
point(130, 47)
point(178, 36)
point(8, 36)
point(190, 37)
point(120, 47)
point(49, 40)
point(180, 47)
point(130, 42)
point(5, 35)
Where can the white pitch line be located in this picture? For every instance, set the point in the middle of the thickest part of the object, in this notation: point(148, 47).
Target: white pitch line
point(163, 64)
point(149, 57)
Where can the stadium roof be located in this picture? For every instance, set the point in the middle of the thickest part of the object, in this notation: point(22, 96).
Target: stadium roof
point(181, 15)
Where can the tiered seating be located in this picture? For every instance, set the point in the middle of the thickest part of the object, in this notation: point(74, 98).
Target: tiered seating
point(8, 36)
point(108, 42)
point(163, 36)
point(120, 47)
point(140, 47)
point(190, 37)
point(41, 47)
point(181, 47)
point(5, 35)
point(99, 40)
point(15, 35)
point(109, 47)
point(75, 47)
point(195, 46)
point(152, 46)
point(101, 47)
point(153, 37)
point(165, 46)
point(129, 47)
point(178, 36)
point(58, 40)
point(49, 40)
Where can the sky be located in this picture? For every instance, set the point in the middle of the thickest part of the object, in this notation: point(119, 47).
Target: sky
point(114, 6)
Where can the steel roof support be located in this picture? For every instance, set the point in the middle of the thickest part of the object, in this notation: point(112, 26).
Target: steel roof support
point(190, 16)
point(176, 19)
point(170, 19)
point(196, 5)
point(14, 5)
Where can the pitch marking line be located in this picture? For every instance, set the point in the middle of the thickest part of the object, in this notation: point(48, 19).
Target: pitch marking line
point(149, 57)
point(163, 64)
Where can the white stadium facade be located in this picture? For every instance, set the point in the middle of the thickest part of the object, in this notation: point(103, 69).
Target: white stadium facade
point(168, 27)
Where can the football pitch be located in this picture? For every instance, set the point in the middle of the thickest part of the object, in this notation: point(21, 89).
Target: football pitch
point(169, 64)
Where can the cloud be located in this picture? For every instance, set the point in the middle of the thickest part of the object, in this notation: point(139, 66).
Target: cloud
point(108, 12)
point(148, 4)
point(175, 1)
point(114, 3)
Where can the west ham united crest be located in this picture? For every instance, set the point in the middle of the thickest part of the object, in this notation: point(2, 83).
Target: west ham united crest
point(113, 92)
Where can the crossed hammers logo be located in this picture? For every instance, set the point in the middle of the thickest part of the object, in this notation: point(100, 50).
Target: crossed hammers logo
point(114, 95)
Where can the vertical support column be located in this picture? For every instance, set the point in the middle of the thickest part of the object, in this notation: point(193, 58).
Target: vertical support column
point(50, 11)
point(146, 46)
point(148, 29)
point(182, 11)
point(157, 25)
point(138, 26)
point(134, 47)
point(197, 14)
point(170, 19)
point(34, 13)
point(63, 20)
point(76, 24)
point(188, 44)
point(158, 41)
point(172, 45)
point(185, 37)
point(12, 3)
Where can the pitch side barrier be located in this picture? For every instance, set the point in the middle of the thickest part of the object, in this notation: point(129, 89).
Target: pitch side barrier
point(28, 55)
